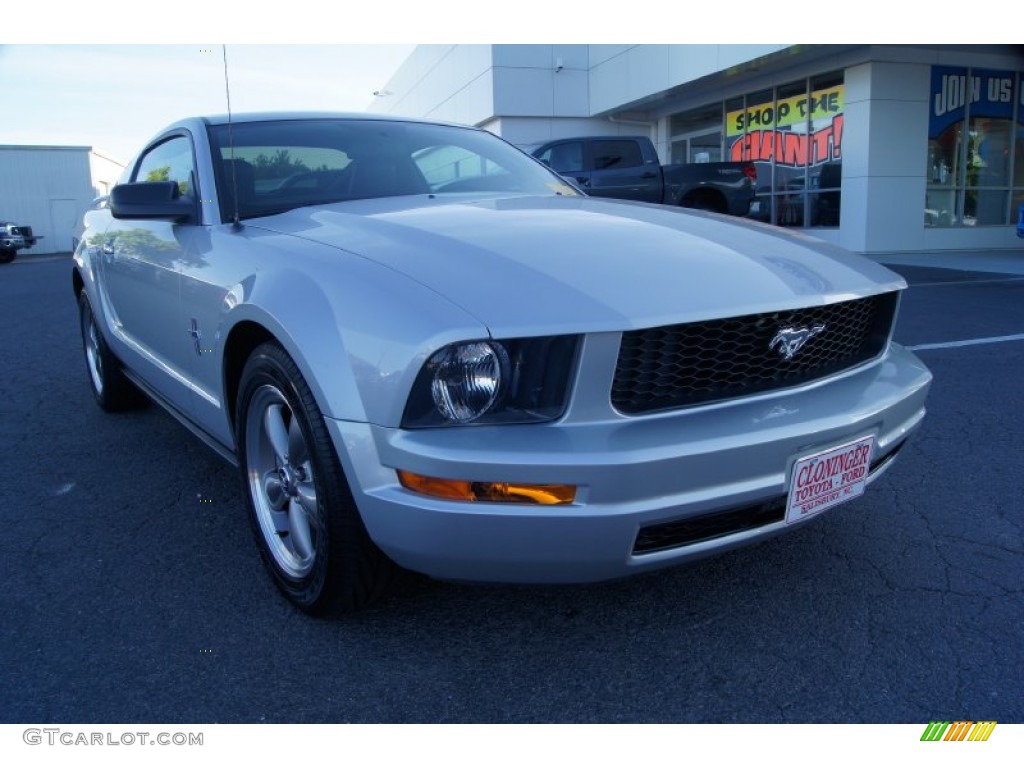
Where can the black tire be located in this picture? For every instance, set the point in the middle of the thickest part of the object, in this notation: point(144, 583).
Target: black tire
point(309, 531)
point(111, 388)
point(7, 256)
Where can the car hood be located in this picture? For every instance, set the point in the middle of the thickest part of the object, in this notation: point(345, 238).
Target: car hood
point(533, 265)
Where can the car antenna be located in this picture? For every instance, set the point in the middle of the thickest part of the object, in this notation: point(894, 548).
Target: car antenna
point(231, 141)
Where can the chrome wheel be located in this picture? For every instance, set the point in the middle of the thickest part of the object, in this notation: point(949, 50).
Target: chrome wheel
point(92, 355)
point(280, 479)
point(310, 533)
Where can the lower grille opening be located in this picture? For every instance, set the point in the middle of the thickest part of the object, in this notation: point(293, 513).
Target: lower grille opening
point(654, 538)
point(678, 533)
point(881, 461)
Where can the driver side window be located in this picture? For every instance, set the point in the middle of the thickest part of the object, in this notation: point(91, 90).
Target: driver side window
point(168, 161)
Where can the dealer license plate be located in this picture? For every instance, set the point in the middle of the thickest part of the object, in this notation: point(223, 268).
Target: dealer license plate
point(826, 479)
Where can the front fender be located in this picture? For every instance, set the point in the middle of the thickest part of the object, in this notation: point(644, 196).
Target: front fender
point(358, 331)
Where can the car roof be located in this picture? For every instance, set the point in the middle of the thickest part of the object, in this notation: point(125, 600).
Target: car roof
point(259, 117)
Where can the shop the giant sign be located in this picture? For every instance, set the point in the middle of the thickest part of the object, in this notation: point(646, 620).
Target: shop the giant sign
point(795, 132)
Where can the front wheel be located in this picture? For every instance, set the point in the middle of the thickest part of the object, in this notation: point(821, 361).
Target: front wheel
point(7, 255)
point(310, 534)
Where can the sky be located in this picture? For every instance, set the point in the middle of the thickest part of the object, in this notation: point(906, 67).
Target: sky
point(111, 76)
point(114, 98)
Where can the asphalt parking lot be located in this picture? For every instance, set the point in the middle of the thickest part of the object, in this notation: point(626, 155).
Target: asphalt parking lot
point(131, 590)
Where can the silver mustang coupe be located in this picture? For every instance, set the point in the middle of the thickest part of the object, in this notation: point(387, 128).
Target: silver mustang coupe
point(424, 349)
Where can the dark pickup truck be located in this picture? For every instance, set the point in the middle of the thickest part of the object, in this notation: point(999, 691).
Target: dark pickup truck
point(627, 167)
point(13, 238)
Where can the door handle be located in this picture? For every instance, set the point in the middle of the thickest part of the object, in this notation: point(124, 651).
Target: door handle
point(649, 175)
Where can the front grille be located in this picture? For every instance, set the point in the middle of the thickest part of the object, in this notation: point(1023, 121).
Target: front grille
point(677, 366)
point(23, 231)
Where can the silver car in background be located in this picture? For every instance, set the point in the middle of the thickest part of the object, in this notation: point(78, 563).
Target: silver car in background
point(423, 349)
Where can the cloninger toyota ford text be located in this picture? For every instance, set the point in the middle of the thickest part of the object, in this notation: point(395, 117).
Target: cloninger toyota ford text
point(425, 350)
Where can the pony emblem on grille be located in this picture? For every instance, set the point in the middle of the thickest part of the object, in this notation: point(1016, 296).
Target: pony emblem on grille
point(791, 340)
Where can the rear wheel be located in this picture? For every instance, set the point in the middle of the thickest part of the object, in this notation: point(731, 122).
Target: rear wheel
point(705, 203)
point(7, 255)
point(111, 388)
point(310, 534)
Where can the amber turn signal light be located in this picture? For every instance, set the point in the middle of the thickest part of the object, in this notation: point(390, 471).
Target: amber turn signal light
point(466, 490)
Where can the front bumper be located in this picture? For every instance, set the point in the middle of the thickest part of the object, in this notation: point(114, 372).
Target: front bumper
point(12, 242)
point(631, 473)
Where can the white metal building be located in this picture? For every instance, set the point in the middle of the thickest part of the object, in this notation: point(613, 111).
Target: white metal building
point(49, 189)
point(915, 148)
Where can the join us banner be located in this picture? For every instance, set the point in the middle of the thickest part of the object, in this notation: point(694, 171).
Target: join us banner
point(987, 93)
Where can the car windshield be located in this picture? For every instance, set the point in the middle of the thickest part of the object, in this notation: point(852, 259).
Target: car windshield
point(274, 166)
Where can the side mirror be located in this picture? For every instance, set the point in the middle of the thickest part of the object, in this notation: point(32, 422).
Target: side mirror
point(151, 200)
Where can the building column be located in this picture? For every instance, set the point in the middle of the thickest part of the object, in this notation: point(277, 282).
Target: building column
point(885, 151)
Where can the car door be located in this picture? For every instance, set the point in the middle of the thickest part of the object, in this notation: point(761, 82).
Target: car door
point(141, 281)
point(620, 171)
point(213, 281)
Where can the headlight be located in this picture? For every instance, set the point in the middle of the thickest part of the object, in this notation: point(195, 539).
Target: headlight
point(467, 379)
point(511, 381)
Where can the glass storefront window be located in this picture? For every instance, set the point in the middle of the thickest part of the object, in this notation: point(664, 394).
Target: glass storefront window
point(749, 132)
point(793, 134)
point(790, 136)
point(696, 135)
point(706, 148)
point(825, 170)
point(973, 147)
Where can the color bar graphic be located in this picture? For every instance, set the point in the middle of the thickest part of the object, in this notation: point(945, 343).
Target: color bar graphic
point(960, 730)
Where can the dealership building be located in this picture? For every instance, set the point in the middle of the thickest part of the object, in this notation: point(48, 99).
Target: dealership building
point(880, 148)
